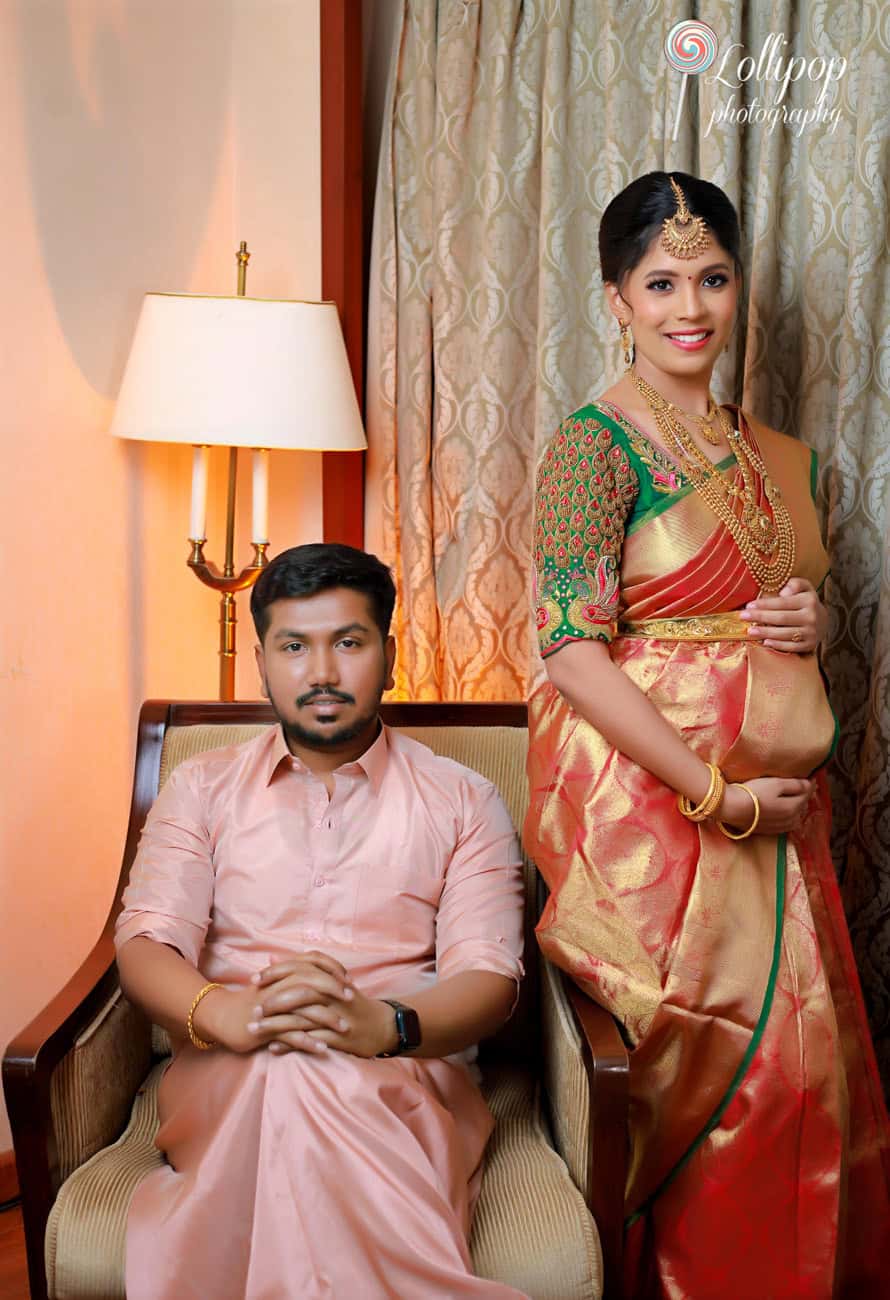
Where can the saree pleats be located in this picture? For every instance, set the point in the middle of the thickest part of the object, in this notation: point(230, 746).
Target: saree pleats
point(759, 1134)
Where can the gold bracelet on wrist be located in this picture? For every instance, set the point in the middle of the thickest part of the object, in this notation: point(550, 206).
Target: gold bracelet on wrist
point(743, 835)
point(711, 801)
point(685, 804)
point(201, 1045)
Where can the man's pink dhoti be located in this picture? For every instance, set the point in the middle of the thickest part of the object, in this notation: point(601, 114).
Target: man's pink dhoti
point(314, 1178)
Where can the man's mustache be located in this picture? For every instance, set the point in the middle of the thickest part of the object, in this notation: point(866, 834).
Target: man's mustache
point(324, 692)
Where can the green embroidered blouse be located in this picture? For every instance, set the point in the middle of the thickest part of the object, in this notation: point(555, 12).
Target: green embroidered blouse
point(598, 480)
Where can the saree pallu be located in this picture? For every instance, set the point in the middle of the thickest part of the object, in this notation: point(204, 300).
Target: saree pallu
point(759, 1136)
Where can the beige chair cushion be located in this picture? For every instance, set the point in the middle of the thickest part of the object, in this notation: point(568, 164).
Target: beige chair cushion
point(184, 742)
point(532, 1229)
point(87, 1224)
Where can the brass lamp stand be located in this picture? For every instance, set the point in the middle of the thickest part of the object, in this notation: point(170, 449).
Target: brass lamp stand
point(228, 582)
point(209, 370)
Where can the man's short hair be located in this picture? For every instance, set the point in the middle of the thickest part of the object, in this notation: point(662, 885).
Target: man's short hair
point(320, 566)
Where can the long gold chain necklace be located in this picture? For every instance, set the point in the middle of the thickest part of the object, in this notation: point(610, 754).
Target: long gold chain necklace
point(767, 544)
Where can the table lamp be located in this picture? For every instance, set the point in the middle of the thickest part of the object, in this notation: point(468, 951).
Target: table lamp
point(237, 372)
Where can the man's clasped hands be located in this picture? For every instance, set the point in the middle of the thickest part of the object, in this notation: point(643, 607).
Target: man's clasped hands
point(304, 1004)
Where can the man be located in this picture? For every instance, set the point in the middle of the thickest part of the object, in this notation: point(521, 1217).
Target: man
point(325, 918)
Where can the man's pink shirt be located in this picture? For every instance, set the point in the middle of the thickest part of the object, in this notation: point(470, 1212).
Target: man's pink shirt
point(411, 871)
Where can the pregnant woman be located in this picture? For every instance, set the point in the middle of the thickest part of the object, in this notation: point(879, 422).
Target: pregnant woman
point(679, 810)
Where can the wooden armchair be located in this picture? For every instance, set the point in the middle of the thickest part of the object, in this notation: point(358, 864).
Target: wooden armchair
point(80, 1080)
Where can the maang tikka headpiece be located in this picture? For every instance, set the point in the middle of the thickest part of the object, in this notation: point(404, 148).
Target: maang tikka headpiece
point(683, 235)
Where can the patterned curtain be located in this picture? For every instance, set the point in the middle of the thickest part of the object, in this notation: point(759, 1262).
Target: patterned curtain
point(510, 125)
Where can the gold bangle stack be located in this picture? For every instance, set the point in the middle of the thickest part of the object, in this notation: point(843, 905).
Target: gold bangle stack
point(711, 801)
point(201, 1045)
point(743, 835)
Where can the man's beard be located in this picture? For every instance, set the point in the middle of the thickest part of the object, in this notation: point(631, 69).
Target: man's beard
point(337, 735)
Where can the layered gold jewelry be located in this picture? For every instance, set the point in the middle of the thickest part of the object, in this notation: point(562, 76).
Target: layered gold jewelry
point(766, 542)
point(711, 801)
point(743, 835)
point(683, 235)
point(706, 422)
point(200, 1043)
point(627, 343)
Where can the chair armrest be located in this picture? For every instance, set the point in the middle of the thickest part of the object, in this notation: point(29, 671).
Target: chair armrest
point(54, 1059)
point(586, 1079)
point(608, 1070)
point(93, 1086)
point(566, 1082)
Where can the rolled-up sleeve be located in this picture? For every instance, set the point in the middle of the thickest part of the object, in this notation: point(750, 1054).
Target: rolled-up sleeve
point(479, 925)
point(170, 891)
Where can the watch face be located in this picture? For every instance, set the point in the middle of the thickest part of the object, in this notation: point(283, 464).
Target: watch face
point(408, 1025)
point(407, 1028)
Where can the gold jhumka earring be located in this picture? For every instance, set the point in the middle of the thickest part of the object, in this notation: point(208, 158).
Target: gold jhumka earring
point(627, 343)
point(683, 235)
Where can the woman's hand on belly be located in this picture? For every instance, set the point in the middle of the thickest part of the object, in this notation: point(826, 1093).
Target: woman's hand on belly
point(783, 802)
point(600, 692)
point(794, 621)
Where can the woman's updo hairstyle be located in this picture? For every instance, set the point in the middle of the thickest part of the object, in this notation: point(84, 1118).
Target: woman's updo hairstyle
point(633, 219)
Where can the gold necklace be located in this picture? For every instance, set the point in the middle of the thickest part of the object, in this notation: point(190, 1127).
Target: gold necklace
point(705, 422)
point(767, 543)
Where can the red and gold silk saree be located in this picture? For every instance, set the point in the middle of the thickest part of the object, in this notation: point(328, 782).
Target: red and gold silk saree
point(759, 1162)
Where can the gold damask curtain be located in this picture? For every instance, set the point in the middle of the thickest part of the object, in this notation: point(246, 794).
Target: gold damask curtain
point(511, 123)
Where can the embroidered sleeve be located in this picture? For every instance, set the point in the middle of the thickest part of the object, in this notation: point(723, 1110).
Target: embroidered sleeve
point(585, 489)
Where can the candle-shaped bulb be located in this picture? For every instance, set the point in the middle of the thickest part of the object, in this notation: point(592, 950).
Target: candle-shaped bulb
point(260, 531)
point(198, 522)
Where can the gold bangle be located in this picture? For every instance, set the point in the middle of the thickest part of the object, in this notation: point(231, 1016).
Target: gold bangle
point(201, 1045)
point(688, 808)
point(731, 835)
point(711, 801)
point(711, 805)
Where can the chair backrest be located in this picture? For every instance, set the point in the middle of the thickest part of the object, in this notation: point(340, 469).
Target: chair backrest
point(497, 752)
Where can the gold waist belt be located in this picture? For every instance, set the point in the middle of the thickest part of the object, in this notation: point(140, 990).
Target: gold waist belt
point(708, 627)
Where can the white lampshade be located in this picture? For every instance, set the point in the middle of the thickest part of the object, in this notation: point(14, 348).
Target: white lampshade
point(239, 372)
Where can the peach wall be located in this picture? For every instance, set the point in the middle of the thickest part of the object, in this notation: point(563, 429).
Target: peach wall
point(140, 143)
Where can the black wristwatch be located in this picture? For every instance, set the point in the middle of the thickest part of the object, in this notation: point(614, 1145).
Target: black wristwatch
point(407, 1027)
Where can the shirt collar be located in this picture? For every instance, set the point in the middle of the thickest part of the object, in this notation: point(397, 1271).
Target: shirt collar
point(372, 763)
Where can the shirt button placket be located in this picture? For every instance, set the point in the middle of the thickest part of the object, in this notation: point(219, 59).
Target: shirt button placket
point(326, 863)
point(315, 903)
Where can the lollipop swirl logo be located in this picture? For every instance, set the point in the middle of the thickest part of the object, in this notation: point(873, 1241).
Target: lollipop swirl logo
point(690, 48)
